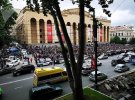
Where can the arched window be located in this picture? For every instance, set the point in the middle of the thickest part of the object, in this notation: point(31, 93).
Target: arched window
point(42, 30)
point(68, 28)
point(33, 30)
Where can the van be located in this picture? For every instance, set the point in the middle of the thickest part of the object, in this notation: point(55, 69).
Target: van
point(49, 75)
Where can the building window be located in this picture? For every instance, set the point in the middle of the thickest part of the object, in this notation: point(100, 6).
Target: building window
point(40, 30)
point(40, 36)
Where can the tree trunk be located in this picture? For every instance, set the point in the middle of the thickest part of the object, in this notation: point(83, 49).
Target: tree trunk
point(76, 68)
point(64, 53)
point(78, 91)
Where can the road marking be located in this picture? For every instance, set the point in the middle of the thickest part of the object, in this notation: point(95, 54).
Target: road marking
point(16, 81)
point(18, 87)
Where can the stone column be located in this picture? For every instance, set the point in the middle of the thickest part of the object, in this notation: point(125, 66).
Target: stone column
point(38, 32)
point(28, 31)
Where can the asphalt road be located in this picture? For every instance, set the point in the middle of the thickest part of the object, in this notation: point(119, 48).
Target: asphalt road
point(17, 88)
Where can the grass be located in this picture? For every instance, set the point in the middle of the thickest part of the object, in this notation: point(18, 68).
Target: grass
point(89, 94)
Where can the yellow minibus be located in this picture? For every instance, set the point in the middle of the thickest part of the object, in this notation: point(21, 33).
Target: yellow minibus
point(49, 75)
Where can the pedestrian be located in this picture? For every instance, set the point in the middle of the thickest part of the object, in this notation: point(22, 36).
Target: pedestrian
point(30, 59)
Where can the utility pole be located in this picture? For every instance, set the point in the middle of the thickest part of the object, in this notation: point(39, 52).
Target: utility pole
point(95, 45)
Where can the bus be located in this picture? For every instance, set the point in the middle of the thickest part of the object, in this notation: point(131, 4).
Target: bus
point(132, 59)
point(49, 75)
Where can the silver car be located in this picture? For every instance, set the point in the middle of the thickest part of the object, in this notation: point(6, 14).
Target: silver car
point(121, 68)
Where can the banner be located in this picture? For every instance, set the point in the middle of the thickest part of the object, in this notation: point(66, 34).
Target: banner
point(49, 33)
point(100, 35)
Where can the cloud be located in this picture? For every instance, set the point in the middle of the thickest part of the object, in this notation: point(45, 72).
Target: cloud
point(20, 4)
point(122, 10)
point(123, 17)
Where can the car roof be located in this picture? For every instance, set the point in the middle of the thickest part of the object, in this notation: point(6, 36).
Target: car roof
point(27, 65)
point(120, 65)
point(42, 87)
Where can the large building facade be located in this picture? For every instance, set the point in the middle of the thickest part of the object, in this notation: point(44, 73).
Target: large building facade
point(35, 28)
point(123, 32)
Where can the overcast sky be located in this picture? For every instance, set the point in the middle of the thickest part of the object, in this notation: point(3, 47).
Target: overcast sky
point(122, 10)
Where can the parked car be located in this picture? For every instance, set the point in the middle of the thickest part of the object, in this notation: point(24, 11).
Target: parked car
point(100, 76)
point(114, 62)
point(42, 64)
point(6, 70)
point(121, 68)
point(86, 70)
point(44, 92)
point(23, 70)
point(103, 56)
point(25, 63)
point(99, 63)
point(13, 63)
point(59, 61)
point(127, 59)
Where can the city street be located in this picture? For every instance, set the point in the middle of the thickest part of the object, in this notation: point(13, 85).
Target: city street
point(17, 88)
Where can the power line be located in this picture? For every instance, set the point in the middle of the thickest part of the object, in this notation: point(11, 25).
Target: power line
point(118, 6)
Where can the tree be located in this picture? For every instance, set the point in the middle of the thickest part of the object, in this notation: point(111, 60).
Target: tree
point(123, 41)
point(73, 68)
point(116, 40)
point(7, 20)
point(132, 41)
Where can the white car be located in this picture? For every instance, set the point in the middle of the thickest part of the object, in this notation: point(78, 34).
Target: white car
point(121, 68)
point(25, 63)
point(24, 51)
point(42, 64)
point(103, 56)
point(10, 58)
point(13, 63)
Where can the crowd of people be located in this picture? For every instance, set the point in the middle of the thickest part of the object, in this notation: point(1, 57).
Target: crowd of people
point(54, 52)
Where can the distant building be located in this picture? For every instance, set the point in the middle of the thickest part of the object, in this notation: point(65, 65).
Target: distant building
point(34, 28)
point(126, 32)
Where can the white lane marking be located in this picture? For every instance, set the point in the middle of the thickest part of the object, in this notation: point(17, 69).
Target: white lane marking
point(16, 81)
point(18, 87)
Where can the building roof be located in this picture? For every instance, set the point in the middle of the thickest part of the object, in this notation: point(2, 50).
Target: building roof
point(122, 28)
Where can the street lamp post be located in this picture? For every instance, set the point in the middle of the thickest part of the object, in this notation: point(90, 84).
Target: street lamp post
point(95, 45)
